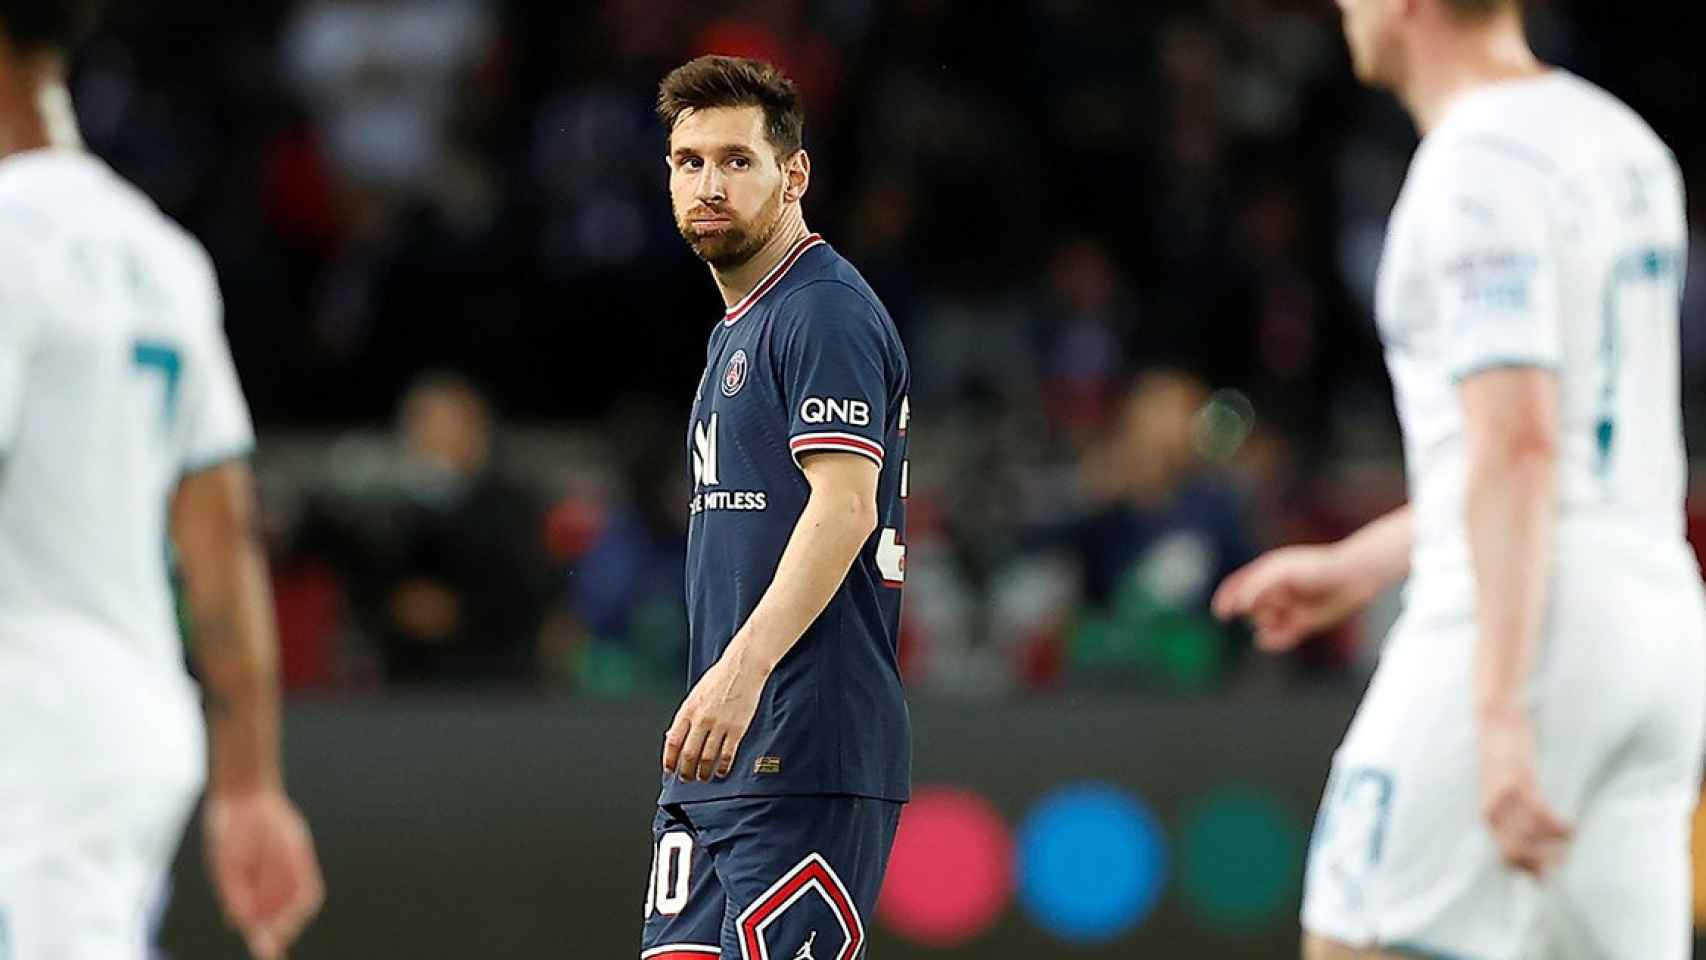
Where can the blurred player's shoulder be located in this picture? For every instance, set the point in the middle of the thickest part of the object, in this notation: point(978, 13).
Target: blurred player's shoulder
point(1554, 125)
point(54, 203)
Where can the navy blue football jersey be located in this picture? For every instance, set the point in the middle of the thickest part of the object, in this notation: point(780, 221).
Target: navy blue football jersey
point(808, 362)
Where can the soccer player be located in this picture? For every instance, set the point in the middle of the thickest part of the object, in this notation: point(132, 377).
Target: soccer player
point(121, 421)
point(1519, 778)
point(785, 767)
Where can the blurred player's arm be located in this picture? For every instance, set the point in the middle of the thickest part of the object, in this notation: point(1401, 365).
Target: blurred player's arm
point(839, 517)
point(1377, 556)
point(230, 606)
point(259, 849)
point(1511, 426)
point(1292, 593)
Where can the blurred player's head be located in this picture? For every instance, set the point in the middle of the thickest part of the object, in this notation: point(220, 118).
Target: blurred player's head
point(33, 27)
point(1379, 31)
point(446, 424)
point(1154, 438)
point(737, 171)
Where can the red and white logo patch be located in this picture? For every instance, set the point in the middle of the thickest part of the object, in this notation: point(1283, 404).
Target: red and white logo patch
point(734, 375)
point(812, 876)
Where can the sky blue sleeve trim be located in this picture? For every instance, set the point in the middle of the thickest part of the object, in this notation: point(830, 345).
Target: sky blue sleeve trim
point(1503, 363)
point(243, 452)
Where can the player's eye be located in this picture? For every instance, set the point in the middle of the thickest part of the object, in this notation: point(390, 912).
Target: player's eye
point(740, 163)
point(690, 163)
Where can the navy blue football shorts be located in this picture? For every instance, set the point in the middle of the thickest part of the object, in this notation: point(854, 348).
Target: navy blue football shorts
point(766, 878)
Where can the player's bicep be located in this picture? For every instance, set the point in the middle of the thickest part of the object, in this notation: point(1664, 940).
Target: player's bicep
point(846, 481)
point(213, 520)
point(1492, 256)
point(835, 375)
point(1509, 412)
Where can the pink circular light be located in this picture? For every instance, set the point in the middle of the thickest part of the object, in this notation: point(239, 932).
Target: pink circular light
point(951, 872)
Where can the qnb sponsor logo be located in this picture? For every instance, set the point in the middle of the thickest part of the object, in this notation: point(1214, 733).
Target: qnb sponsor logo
point(854, 413)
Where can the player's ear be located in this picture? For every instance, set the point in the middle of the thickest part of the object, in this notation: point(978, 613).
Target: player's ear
point(796, 175)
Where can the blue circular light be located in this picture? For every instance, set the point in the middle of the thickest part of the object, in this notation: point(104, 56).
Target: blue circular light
point(1092, 860)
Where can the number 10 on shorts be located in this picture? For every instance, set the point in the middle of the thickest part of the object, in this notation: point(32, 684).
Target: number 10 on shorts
point(672, 864)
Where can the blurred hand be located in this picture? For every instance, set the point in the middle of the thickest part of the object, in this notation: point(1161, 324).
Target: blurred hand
point(1292, 593)
point(1530, 836)
point(264, 870)
point(708, 728)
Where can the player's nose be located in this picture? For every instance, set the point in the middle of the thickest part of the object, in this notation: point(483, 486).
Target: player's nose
point(710, 185)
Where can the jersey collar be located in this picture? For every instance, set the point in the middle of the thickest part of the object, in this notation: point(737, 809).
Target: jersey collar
point(771, 279)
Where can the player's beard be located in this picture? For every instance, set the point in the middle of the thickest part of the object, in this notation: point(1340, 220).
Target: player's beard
point(738, 242)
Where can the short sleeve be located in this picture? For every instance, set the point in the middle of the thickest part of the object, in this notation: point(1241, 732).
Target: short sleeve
point(1491, 259)
point(217, 425)
point(835, 372)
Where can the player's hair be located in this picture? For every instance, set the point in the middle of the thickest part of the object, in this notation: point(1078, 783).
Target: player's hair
point(48, 26)
point(1475, 10)
point(714, 81)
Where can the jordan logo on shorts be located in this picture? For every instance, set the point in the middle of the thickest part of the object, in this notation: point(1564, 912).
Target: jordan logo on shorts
point(806, 948)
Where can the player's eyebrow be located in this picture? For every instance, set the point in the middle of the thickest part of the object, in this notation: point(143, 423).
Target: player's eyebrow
point(726, 149)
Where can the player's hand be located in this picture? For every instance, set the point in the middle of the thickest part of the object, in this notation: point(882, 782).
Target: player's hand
point(1290, 594)
point(708, 729)
point(264, 870)
point(1530, 836)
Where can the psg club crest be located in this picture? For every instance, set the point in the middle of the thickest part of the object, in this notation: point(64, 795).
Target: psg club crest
point(734, 376)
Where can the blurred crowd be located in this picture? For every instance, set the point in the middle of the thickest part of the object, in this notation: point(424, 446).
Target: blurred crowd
point(1130, 248)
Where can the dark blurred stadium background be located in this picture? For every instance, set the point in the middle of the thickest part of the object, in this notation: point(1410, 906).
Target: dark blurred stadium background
point(1130, 247)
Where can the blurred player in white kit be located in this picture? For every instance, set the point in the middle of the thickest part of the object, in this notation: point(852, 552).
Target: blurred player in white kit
point(121, 422)
point(1519, 779)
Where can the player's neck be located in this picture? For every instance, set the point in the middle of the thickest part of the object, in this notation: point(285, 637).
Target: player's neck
point(737, 282)
point(1456, 62)
point(35, 107)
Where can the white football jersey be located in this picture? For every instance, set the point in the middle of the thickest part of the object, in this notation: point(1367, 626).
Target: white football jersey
point(1541, 224)
point(115, 379)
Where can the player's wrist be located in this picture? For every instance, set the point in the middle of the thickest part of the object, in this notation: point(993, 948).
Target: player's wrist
point(1348, 567)
point(748, 657)
point(244, 781)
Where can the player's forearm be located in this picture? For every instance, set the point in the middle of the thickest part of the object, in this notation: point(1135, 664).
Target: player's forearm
point(237, 655)
point(1378, 555)
point(828, 537)
point(1508, 507)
